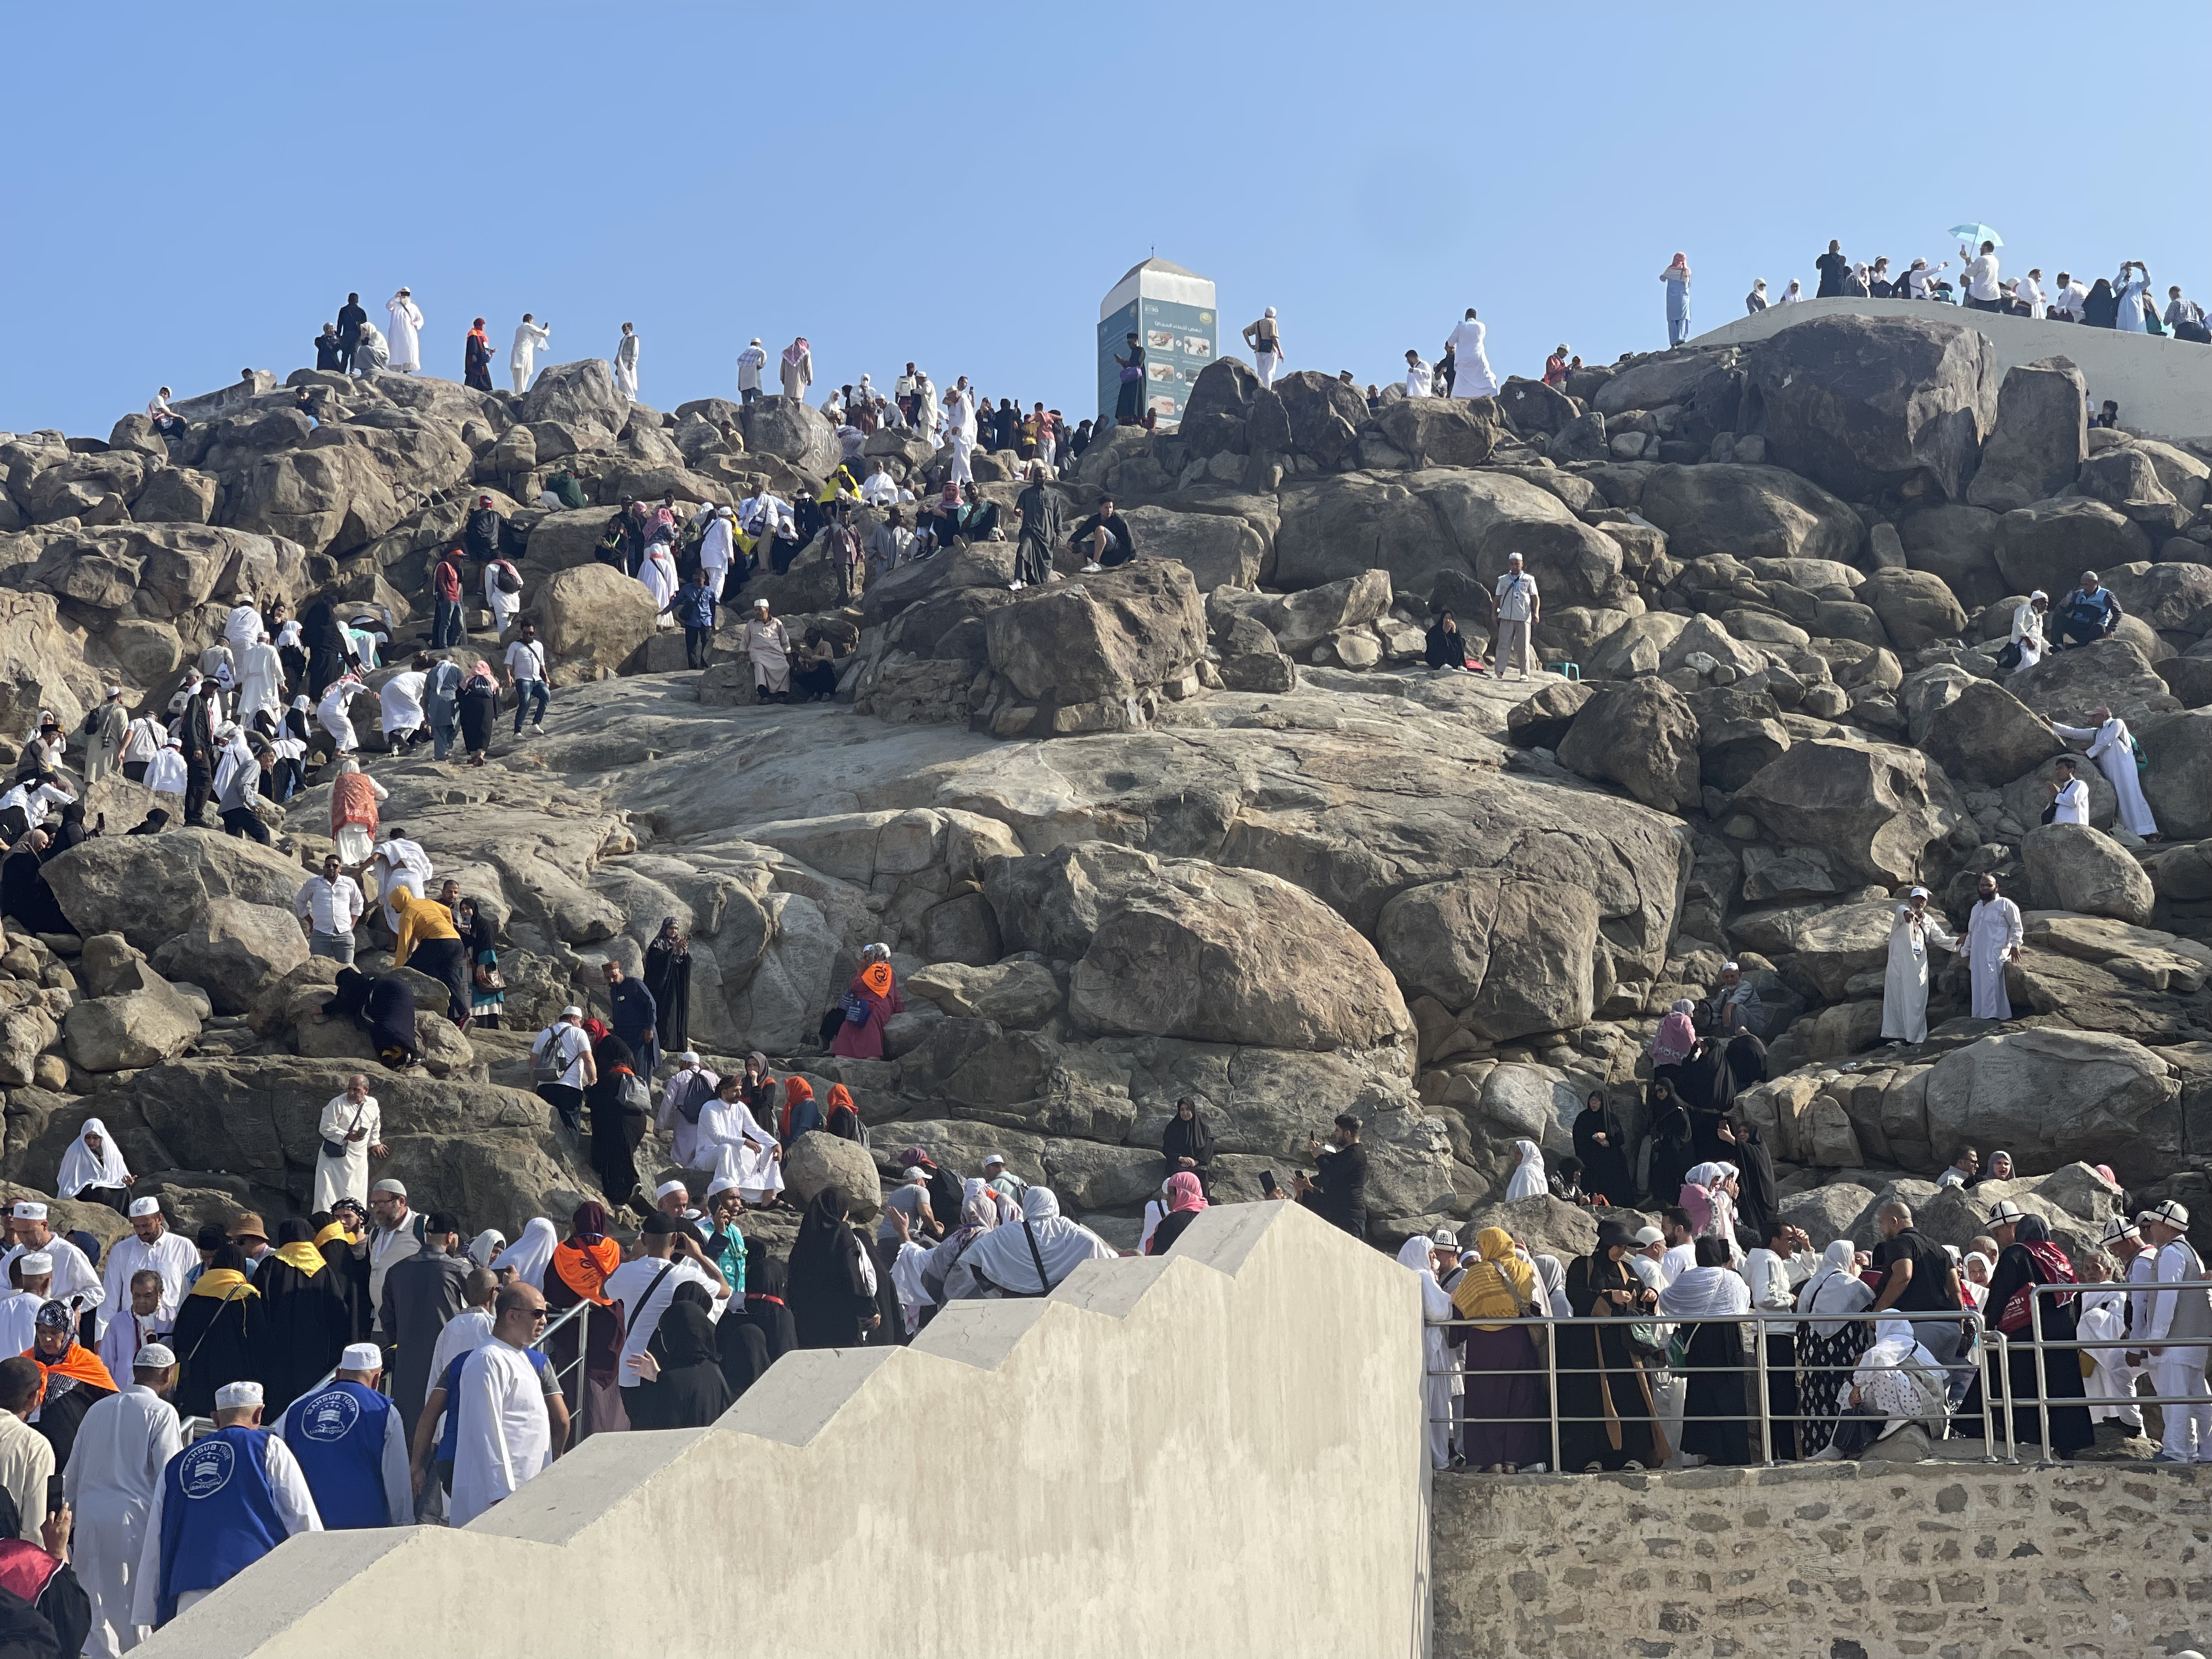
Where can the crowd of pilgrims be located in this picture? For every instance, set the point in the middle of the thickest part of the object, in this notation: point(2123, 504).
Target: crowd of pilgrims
point(1672, 1382)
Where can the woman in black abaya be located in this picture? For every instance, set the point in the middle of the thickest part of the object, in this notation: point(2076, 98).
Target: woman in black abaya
point(1671, 1157)
point(685, 1387)
point(1187, 1144)
point(1601, 1147)
point(668, 977)
point(830, 1284)
point(617, 1128)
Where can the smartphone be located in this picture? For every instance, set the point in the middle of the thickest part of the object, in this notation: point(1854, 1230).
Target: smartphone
point(1267, 1183)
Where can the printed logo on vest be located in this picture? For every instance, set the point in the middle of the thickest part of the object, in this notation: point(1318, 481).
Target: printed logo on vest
point(208, 1468)
point(331, 1416)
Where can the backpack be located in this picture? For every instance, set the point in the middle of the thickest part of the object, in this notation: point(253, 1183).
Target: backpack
point(692, 1101)
point(548, 1063)
point(504, 579)
point(2143, 761)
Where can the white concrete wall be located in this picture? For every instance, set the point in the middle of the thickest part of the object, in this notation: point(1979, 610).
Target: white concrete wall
point(1216, 1452)
point(2163, 386)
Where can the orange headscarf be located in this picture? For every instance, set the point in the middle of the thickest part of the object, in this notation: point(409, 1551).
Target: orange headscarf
point(584, 1268)
point(841, 1096)
point(795, 1089)
point(877, 976)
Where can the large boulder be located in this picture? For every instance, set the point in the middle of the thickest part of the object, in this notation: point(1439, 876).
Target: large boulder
point(818, 1160)
point(1324, 415)
point(1334, 527)
point(1821, 947)
point(1221, 551)
point(1443, 431)
point(1641, 735)
point(1510, 956)
point(1979, 732)
point(2048, 544)
point(232, 950)
point(1749, 512)
point(2041, 437)
point(593, 615)
point(148, 887)
point(331, 499)
point(1957, 544)
point(1876, 808)
point(2071, 866)
point(1220, 955)
point(793, 430)
point(1870, 406)
point(1099, 637)
point(2051, 1097)
point(578, 394)
point(2174, 594)
point(1301, 620)
point(2177, 782)
point(2111, 674)
point(1915, 607)
point(123, 1033)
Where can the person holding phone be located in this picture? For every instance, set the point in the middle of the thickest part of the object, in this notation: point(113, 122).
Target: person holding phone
point(1337, 1190)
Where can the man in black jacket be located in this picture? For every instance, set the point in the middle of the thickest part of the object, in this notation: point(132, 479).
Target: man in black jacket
point(1338, 1190)
point(1105, 538)
point(350, 318)
point(196, 737)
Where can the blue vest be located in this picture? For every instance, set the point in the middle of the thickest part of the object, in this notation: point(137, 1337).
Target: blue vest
point(218, 1513)
point(337, 1436)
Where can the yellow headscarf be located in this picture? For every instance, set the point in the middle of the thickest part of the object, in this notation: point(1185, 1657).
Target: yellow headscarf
point(1499, 1286)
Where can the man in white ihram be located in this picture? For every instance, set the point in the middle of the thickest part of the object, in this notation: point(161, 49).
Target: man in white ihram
point(2113, 750)
point(2177, 1362)
point(1994, 936)
point(1912, 928)
point(123, 1446)
point(406, 334)
point(505, 1435)
point(1516, 607)
point(1473, 378)
point(530, 337)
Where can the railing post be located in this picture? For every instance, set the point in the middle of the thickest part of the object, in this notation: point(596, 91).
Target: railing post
point(1552, 1387)
point(2004, 1376)
point(2042, 1369)
point(1980, 1350)
point(1766, 1404)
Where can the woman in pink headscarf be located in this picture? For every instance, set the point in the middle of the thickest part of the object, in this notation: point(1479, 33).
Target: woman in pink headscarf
point(797, 368)
point(1186, 1198)
point(1676, 276)
point(1677, 1035)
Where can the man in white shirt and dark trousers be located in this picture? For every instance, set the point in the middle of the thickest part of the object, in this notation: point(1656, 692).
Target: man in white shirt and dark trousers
point(526, 672)
point(646, 1287)
point(2069, 796)
point(1516, 609)
point(330, 904)
point(2176, 1367)
point(1980, 275)
point(1775, 1271)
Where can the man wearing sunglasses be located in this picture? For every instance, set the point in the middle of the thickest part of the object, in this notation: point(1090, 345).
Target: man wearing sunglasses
point(505, 1424)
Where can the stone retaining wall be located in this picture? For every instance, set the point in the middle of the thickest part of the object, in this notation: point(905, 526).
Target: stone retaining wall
point(1825, 1561)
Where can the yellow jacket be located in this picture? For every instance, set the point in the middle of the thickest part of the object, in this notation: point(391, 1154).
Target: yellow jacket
point(419, 918)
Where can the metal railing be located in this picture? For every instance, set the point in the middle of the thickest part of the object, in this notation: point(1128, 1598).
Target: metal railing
point(560, 1374)
point(1982, 1344)
point(1755, 1369)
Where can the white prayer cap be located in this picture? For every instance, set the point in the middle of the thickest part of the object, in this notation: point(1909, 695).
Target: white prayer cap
point(2006, 1212)
point(1649, 1236)
point(154, 1356)
point(29, 1211)
point(2172, 1214)
point(1917, 892)
point(2037, 594)
point(1731, 968)
point(145, 1207)
point(2117, 1228)
point(995, 1158)
point(396, 1189)
point(114, 691)
point(720, 1185)
point(721, 512)
point(362, 1357)
point(1514, 557)
point(571, 1012)
point(756, 339)
point(760, 604)
point(688, 1057)
point(36, 1262)
point(232, 1396)
point(668, 1187)
point(1270, 311)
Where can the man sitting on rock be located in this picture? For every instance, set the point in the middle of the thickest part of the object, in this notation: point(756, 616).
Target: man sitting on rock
point(1104, 539)
point(2087, 614)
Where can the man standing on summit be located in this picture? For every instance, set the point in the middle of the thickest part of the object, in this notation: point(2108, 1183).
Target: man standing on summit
point(1834, 270)
point(350, 318)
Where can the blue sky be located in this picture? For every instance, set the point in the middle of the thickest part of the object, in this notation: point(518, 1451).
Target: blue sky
point(195, 188)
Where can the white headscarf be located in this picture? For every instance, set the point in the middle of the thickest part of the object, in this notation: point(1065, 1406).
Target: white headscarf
point(1554, 1277)
point(1704, 1175)
point(81, 1170)
point(485, 1245)
point(1002, 1256)
point(1706, 1293)
point(1528, 1180)
point(1834, 1289)
point(533, 1252)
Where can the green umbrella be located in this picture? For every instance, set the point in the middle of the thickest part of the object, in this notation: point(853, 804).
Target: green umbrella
point(1976, 234)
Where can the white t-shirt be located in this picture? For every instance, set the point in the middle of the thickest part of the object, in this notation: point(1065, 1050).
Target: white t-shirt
point(1517, 596)
point(527, 662)
point(2073, 804)
point(629, 1285)
point(575, 1045)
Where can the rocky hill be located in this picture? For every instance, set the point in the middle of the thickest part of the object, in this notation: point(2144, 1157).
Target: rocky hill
point(1204, 824)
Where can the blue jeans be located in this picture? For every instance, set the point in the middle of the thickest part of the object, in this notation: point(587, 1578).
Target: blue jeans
point(524, 691)
point(446, 627)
